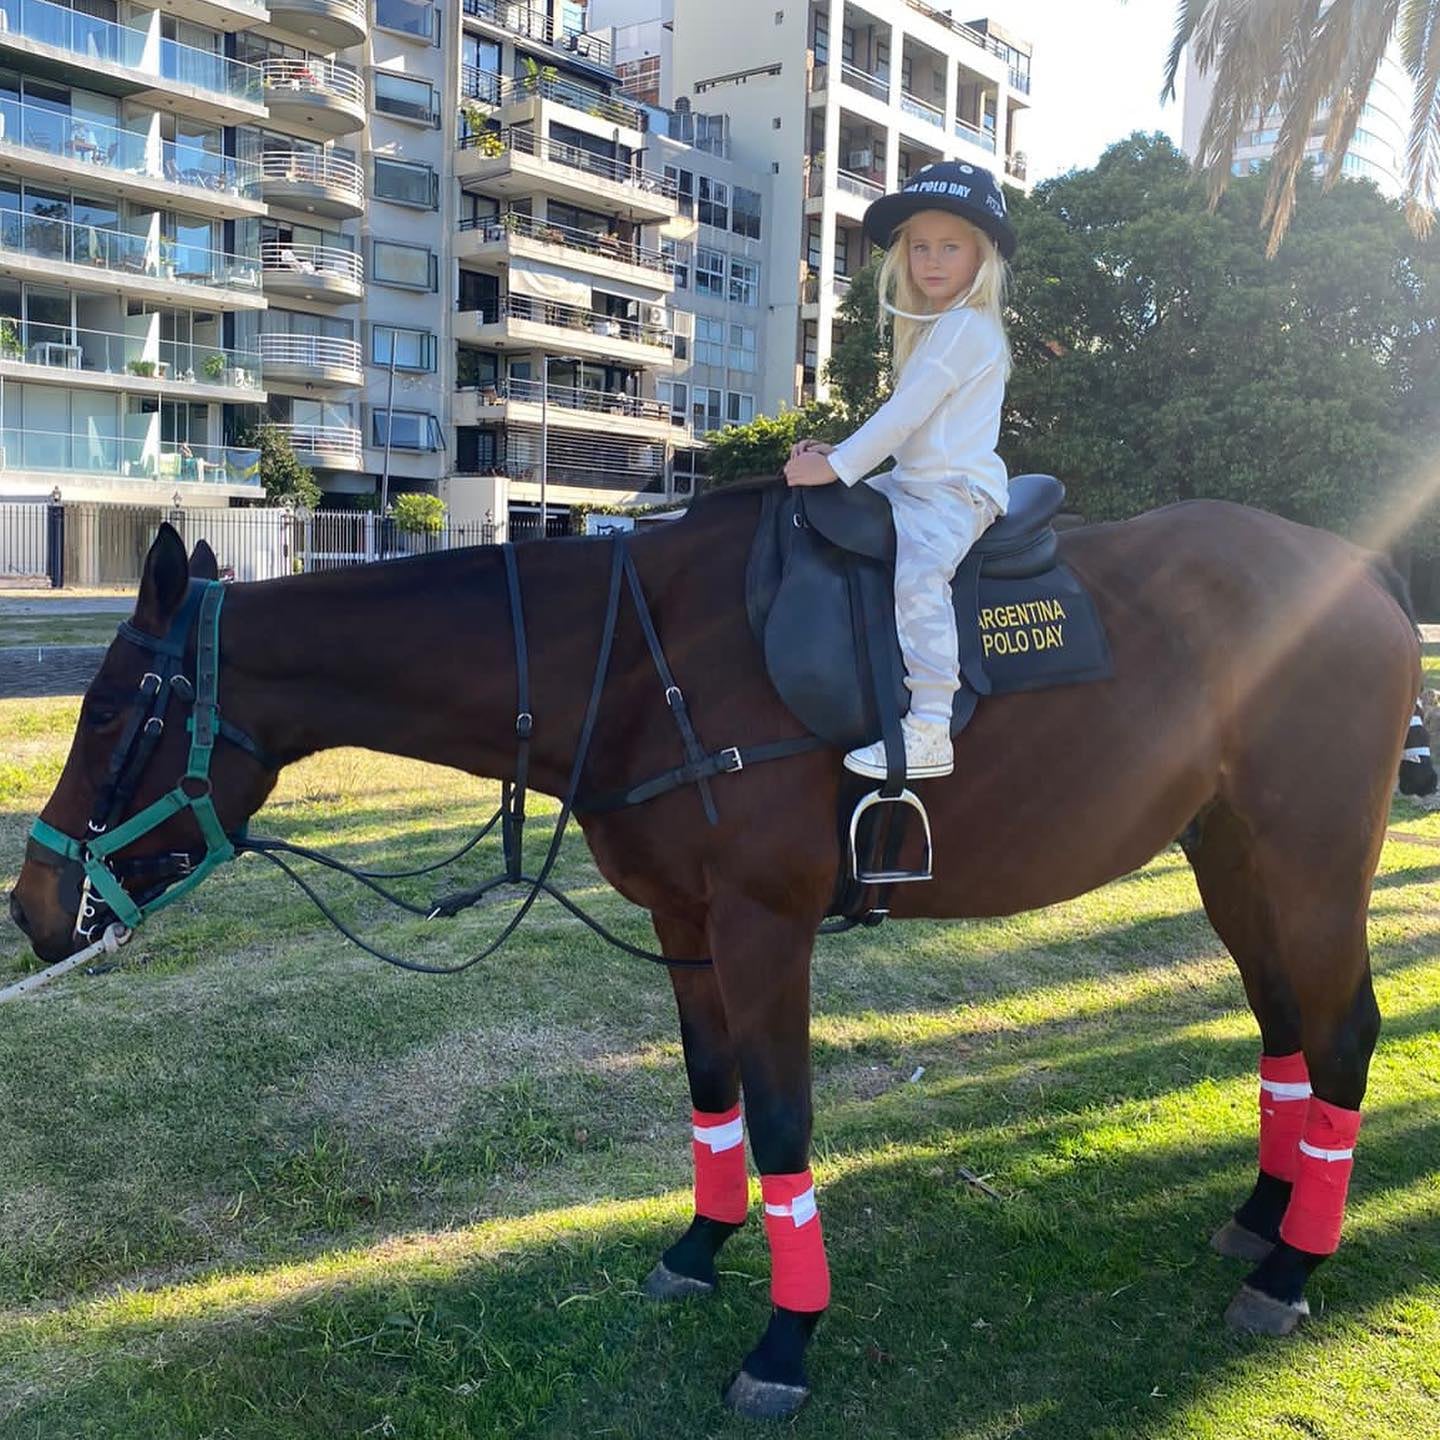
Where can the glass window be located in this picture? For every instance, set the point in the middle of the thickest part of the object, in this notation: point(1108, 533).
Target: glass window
point(410, 17)
point(744, 282)
point(409, 429)
point(405, 97)
point(714, 203)
point(739, 408)
point(709, 340)
point(407, 182)
point(710, 272)
point(407, 267)
point(685, 185)
point(705, 409)
point(678, 253)
point(412, 349)
point(745, 213)
point(742, 348)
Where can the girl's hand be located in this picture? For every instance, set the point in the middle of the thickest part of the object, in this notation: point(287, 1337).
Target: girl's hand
point(801, 447)
point(809, 468)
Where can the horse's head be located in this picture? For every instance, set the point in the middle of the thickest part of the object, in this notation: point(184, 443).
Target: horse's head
point(157, 780)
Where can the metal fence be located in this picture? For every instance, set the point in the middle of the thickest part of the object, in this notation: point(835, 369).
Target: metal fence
point(87, 544)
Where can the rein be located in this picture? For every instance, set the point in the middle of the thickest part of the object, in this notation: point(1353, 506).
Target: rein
point(173, 875)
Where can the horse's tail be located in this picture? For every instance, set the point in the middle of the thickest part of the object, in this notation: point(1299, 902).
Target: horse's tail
point(1417, 772)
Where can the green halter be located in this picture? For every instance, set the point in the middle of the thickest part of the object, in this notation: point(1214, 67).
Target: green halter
point(93, 854)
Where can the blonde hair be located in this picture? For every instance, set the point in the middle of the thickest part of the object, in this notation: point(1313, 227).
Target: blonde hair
point(903, 305)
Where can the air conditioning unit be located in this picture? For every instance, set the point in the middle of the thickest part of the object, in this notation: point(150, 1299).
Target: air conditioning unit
point(656, 315)
point(860, 160)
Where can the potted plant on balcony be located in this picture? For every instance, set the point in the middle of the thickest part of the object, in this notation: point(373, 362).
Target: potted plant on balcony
point(149, 369)
point(213, 367)
point(10, 346)
point(476, 118)
point(536, 76)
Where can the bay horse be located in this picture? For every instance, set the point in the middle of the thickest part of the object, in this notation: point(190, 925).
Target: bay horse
point(1264, 674)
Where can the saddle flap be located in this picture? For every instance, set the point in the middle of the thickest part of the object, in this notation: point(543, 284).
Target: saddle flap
point(856, 518)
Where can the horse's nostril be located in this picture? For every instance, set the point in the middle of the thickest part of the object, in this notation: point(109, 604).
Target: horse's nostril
point(17, 912)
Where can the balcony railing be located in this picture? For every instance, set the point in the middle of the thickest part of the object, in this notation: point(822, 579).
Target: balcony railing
point(977, 38)
point(496, 142)
point(567, 92)
point(611, 247)
point(123, 457)
point(922, 109)
point(314, 352)
point(102, 352)
point(855, 184)
point(533, 21)
point(322, 260)
point(123, 254)
point(569, 317)
point(314, 76)
point(123, 152)
point(482, 85)
point(858, 79)
point(573, 397)
point(313, 167)
point(985, 139)
point(90, 39)
point(337, 444)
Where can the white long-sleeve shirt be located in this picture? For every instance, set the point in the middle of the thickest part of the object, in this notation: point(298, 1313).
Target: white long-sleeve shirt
point(942, 422)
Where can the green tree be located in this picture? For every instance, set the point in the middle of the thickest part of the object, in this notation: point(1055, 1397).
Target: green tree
point(1316, 62)
point(286, 480)
point(1160, 356)
point(416, 513)
point(762, 446)
point(858, 370)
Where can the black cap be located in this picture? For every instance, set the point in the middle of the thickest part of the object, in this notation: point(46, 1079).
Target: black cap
point(969, 191)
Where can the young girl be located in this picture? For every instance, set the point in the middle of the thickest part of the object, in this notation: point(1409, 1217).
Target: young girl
point(947, 237)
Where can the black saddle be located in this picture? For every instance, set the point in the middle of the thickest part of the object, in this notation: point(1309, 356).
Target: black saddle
point(820, 597)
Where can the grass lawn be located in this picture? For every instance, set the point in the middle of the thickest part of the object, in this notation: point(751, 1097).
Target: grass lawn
point(256, 1184)
point(78, 628)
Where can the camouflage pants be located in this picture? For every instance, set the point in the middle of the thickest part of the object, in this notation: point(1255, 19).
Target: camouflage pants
point(936, 523)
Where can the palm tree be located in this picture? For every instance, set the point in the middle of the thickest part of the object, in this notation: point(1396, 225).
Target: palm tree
point(1316, 60)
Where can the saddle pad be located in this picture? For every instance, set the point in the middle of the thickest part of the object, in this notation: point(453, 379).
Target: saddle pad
point(1015, 634)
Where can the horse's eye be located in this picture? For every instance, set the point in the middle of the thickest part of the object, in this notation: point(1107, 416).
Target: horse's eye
point(99, 716)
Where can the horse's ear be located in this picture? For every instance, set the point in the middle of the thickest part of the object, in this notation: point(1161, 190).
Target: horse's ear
point(164, 582)
point(203, 564)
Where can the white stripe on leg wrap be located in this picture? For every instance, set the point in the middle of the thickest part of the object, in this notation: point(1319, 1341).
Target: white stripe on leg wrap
point(1316, 1153)
point(800, 1209)
point(721, 1137)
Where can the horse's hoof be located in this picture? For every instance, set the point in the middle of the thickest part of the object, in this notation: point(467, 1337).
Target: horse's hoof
point(764, 1399)
point(662, 1283)
point(1235, 1242)
point(1256, 1313)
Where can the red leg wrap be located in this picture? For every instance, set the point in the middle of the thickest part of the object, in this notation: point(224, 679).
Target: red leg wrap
point(799, 1276)
point(721, 1190)
point(1322, 1176)
point(1284, 1095)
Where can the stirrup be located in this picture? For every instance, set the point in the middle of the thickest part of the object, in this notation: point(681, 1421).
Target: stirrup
point(888, 877)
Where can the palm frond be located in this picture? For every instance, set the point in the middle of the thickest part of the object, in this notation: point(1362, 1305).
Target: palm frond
point(1419, 36)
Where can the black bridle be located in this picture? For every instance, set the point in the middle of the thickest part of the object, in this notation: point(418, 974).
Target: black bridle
point(169, 876)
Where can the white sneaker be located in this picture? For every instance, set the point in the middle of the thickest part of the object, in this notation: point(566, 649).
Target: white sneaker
point(928, 752)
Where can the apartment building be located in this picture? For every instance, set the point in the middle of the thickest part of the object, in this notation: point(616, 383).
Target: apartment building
point(834, 103)
point(1377, 150)
point(561, 330)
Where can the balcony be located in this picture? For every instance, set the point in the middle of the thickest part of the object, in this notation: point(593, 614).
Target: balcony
point(324, 447)
point(922, 110)
point(1019, 79)
point(315, 95)
point(144, 364)
point(875, 86)
point(522, 322)
point(41, 248)
point(534, 23)
point(575, 96)
point(312, 272)
point(135, 60)
point(985, 139)
point(326, 24)
point(312, 181)
point(514, 233)
point(50, 145)
point(92, 458)
point(515, 162)
point(519, 402)
point(322, 361)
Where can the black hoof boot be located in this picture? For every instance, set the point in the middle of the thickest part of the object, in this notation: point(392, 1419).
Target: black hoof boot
point(771, 1384)
point(687, 1268)
point(1272, 1299)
